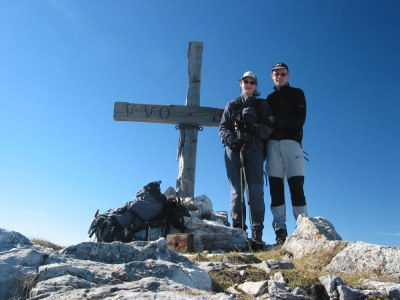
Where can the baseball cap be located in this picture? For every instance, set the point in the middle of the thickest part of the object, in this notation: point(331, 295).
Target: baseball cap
point(249, 74)
point(279, 66)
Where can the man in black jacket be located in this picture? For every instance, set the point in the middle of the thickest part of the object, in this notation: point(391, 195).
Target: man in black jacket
point(284, 151)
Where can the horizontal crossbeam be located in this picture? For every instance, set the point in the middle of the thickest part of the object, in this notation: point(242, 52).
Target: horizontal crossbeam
point(167, 114)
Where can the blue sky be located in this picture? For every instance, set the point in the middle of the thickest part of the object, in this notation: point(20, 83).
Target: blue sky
point(65, 63)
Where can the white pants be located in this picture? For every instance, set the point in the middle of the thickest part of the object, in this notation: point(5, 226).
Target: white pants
point(285, 157)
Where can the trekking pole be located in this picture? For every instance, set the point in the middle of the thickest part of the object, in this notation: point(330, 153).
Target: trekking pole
point(242, 204)
point(242, 195)
point(246, 186)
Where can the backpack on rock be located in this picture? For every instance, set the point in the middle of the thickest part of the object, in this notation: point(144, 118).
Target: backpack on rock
point(149, 209)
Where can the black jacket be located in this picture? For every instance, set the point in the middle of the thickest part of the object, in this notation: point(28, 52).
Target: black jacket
point(227, 126)
point(288, 106)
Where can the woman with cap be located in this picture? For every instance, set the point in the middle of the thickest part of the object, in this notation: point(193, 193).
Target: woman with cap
point(244, 131)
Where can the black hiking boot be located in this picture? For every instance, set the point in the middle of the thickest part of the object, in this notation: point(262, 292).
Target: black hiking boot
point(281, 235)
point(239, 226)
point(256, 240)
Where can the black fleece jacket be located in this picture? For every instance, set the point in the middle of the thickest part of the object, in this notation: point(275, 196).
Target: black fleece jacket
point(288, 106)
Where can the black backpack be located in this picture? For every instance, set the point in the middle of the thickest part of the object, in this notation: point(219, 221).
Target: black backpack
point(149, 209)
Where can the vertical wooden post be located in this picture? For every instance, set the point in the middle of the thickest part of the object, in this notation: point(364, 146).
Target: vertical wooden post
point(187, 149)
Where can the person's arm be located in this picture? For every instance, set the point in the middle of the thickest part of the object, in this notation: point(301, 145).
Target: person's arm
point(264, 125)
point(227, 130)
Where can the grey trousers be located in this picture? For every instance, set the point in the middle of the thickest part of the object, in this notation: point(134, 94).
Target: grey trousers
point(253, 163)
point(285, 158)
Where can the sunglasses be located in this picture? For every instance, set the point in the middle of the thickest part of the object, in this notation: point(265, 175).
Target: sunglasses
point(249, 82)
point(280, 74)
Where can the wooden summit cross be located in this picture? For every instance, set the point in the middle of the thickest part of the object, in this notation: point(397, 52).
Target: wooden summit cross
point(189, 118)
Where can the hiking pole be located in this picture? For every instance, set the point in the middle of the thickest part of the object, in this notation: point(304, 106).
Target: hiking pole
point(242, 195)
point(246, 186)
point(241, 171)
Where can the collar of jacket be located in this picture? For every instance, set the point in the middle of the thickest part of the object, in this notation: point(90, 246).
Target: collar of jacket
point(246, 98)
point(283, 87)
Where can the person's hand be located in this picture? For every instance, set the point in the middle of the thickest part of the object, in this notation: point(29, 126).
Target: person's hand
point(249, 115)
point(249, 128)
point(236, 145)
point(269, 121)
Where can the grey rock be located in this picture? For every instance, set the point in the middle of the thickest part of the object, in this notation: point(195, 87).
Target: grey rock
point(99, 270)
point(19, 261)
point(233, 290)
point(191, 277)
point(210, 235)
point(277, 287)
point(118, 252)
point(254, 288)
point(385, 288)
point(220, 217)
point(299, 292)
point(170, 192)
point(10, 239)
point(360, 256)
point(201, 203)
point(348, 293)
point(278, 277)
point(212, 266)
point(330, 283)
point(146, 288)
point(311, 235)
point(272, 264)
point(60, 284)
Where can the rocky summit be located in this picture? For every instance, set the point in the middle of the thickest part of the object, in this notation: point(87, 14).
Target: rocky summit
point(313, 263)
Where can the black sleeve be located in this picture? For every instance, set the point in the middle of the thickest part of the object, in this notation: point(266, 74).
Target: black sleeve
point(226, 126)
point(265, 125)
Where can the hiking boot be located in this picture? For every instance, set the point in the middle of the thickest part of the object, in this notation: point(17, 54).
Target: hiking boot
point(239, 226)
point(281, 235)
point(256, 240)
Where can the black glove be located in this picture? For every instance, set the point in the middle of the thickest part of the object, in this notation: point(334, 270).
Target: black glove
point(249, 128)
point(236, 144)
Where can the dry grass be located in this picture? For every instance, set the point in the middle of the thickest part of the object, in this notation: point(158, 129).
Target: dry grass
point(232, 258)
point(221, 280)
point(46, 244)
point(277, 255)
point(305, 273)
point(25, 286)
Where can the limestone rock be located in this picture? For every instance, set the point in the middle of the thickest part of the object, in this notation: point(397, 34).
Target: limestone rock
point(209, 235)
point(272, 264)
point(360, 256)
point(330, 284)
point(19, 260)
point(311, 235)
point(348, 293)
point(146, 288)
point(202, 204)
point(277, 287)
point(118, 252)
point(254, 288)
point(221, 217)
point(10, 239)
point(384, 288)
point(98, 270)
